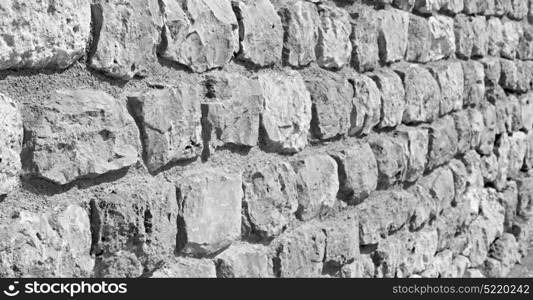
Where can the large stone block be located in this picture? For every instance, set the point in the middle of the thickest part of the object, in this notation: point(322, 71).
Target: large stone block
point(392, 97)
point(430, 39)
point(209, 218)
point(415, 141)
point(392, 159)
point(133, 226)
point(422, 94)
point(317, 184)
point(511, 38)
point(450, 77)
point(358, 171)
point(286, 117)
point(481, 37)
point(232, 112)
point(200, 34)
point(334, 47)
point(43, 34)
point(169, 120)
point(54, 243)
point(474, 90)
point(442, 142)
point(300, 21)
point(242, 260)
point(464, 36)
point(127, 36)
point(182, 267)
point(364, 38)
point(495, 36)
point(11, 134)
point(393, 34)
point(271, 197)
point(80, 134)
point(331, 95)
point(260, 30)
point(366, 111)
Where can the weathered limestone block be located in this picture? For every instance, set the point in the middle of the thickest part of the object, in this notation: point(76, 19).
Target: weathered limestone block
point(384, 212)
point(392, 97)
point(509, 200)
point(525, 44)
point(271, 197)
point(419, 40)
point(442, 36)
point(286, 117)
point(80, 134)
point(528, 162)
point(488, 135)
point(517, 153)
point(317, 184)
point(182, 267)
point(525, 76)
point(361, 267)
point(358, 171)
point(464, 36)
point(502, 7)
point(473, 163)
point(391, 157)
point(200, 34)
point(525, 196)
point(342, 240)
point(422, 93)
point(260, 31)
point(134, 226)
point(209, 216)
point(474, 90)
point(232, 113)
point(460, 174)
point(489, 168)
point(505, 253)
point(366, 111)
point(492, 70)
point(169, 120)
point(440, 184)
point(243, 260)
point(301, 251)
point(43, 34)
point(511, 38)
point(331, 95)
point(55, 243)
point(415, 142)
point(301, 21)
point(519, 9)
point(334, 47)
point(393, 34)
point(502, 150)
point(450, 77)
point(481, 37)
point(442, 142)
point(495, 36)
point(364, 38)
point(11, 135)
point(128, 34)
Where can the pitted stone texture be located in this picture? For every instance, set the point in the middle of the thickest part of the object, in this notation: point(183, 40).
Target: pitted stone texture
point(502, 150)
point(55, 243)
point(334, 47)
point(78, 134)
point(392, 97)
point(364, 38)
point(209, 217)
point(133, 226)
point(260, 30)
point(518, 9)
point(232, 113)
point(502, 7)
point(181, 267)
point(301, 21)
point(450, 77)
point(430, 39)
point(511, 38)
point(317, 184)
point(464, 36)
point(11, 134)
point(358, 172)
point(331, 95)
point(128, 34)
point(517, 153)
point(481, 37)
point(366, 112)
point(271, 197)
point(525, 44)
point(391, 157)
point(242, 260)
point(492, 69)
point(169, 120)
point(442, 142)
point(415, 143)
point(422, 94)
point(384, 212)
point(440, 184)
point(43, 34)
point(287, 111)
point(393, 34)
point(495, 36)
point(474, 76)
point(200, 34)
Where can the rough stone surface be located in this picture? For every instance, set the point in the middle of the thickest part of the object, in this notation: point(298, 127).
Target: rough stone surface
point(209, 216)
point(391, 159)
point(127, 37)
point(442, 142)
point(364, 38)
point(244, 261)
point(11, 134)
point(474, 89)
point(201, 34)
point(43, 34)
point(180, 267)
point(450, 77)
point(286, 117)
point(78, 134)
point(334, 47)
point(392, 97)
point(317, 184)
point(366, 112)
point(393, 33)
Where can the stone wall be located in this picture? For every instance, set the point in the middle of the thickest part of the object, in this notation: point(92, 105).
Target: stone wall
point(265, 138)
